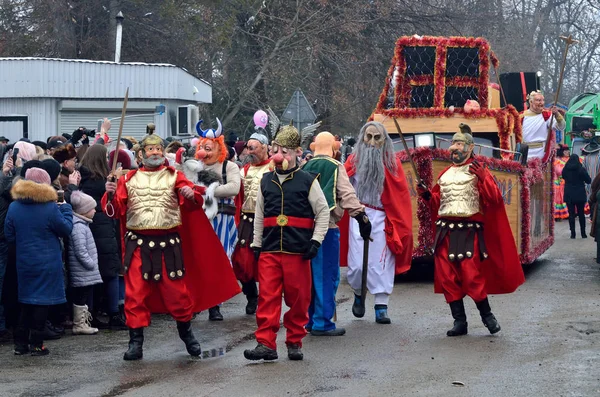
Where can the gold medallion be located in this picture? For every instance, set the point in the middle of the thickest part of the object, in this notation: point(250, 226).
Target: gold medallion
point(282, 220)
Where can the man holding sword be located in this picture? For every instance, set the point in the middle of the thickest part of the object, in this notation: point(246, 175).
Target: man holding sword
point(162, 218)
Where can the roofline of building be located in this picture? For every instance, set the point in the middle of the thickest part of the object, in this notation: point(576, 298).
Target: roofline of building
point(166, 65)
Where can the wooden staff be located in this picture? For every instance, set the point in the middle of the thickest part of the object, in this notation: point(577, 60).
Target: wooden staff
point(568, 40)
point(410, 158)
point(109, 207)
point(123, 111)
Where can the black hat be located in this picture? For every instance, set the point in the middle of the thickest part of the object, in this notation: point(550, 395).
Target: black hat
point(54, 144)
point(4, 139)
point(128, 143)
point(67, 136)
point(52, 167)
point(24, 140)
point(41, 144)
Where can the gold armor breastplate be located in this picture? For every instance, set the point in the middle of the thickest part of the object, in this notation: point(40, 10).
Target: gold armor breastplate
point(251, 185)
point(152, 201)
point(459, 196)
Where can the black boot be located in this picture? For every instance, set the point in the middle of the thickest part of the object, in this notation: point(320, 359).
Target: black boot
point(50, 332)
point(187, 336)
point(251, 291)
point(583, 235)
point(214, 314)
point(136, 340)
point(572, 226)
point(97, 323)
point(489, 320)
point(21, 338)
point(295, 352)
point(261, 352)
point(116, 322)
point(460, 319)
point(37, 343)
point(122, 311)
point(358, 310)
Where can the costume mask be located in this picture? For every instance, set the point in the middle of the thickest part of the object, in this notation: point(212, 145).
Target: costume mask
point(208, 151)
point(462, 145)
point(153, 156)
point(373, 137)
point(536, 102)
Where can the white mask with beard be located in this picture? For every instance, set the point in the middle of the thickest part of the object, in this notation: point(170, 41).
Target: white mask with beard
point(153, 161)
point(371, 161)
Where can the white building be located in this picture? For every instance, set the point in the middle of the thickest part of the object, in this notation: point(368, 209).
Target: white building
point(41, 97)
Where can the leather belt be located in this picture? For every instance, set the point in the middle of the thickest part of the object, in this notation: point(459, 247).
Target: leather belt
point(226, 209)
point(462, 238)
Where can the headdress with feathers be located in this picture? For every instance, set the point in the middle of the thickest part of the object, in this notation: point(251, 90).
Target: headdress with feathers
point(306, 135)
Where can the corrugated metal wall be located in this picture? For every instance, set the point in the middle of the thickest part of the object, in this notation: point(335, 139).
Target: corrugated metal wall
point(42, 114)
point(39, 77)
point(70, 120)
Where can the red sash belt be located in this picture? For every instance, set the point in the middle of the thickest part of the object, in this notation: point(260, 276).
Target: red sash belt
point(272, 221)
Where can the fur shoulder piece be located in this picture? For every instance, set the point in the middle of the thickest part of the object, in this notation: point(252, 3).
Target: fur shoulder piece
point(31, 191)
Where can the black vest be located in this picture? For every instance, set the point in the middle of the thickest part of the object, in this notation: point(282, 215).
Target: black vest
point(289, 198)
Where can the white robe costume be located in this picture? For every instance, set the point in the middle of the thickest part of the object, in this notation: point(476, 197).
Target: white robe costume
point(535, 131)
point(382, 262)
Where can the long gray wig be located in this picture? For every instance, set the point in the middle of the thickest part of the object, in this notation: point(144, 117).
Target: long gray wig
point(370, 164)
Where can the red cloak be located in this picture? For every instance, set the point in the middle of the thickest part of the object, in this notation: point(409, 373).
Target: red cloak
point(395, 199)
point(209, 277)
point(502, 270)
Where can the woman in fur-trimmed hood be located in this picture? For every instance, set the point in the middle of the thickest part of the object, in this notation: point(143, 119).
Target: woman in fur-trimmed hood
point(34, 223)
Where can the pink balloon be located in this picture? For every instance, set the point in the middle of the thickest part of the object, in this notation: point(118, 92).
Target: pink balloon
point(261, 119)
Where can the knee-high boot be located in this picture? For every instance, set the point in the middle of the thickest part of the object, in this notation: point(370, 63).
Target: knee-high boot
point(460, 319)
point(572, 225)
point(251, 291)
point(582, 225)
point(136, 340)
point(489, 320)
point(187, 336)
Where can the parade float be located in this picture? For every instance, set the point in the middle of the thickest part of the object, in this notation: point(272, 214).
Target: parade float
point(433, 85)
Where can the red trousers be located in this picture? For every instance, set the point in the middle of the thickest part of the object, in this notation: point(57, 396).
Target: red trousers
point(288, 274)
point(458, 279)
point(139, 295)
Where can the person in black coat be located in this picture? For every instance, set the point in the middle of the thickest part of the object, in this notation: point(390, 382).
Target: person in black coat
point(94, 171)
point(576, 177)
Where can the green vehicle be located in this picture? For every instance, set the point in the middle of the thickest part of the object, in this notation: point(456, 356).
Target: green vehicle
point(583, 115)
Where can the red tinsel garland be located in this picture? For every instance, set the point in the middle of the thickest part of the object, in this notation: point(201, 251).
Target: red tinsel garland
point(422, 159)
point(441, 44)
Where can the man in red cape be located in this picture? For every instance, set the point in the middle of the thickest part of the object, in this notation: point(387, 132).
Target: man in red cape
point(378, 178)
point(162, 213)
point(471, 226)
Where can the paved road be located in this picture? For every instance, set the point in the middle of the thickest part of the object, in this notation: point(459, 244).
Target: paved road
point(549, 346)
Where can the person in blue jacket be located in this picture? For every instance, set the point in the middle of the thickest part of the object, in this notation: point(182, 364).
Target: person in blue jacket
point(34, 223)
